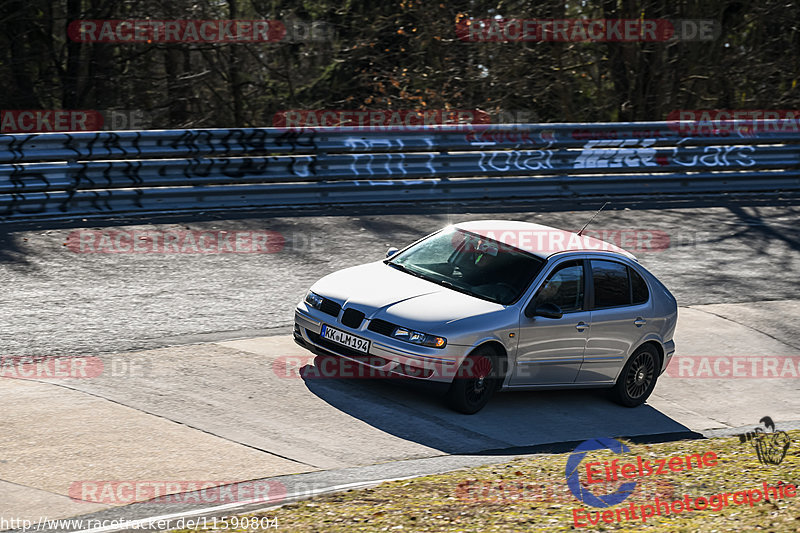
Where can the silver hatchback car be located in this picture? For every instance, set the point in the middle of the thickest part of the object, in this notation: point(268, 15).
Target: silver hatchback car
point(498, 305)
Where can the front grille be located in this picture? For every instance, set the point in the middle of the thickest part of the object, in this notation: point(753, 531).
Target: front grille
point(330, 307)
point(381, 327)
point(352, 318)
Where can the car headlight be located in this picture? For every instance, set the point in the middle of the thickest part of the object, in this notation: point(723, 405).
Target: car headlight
point(314, 300)
point(417, 337)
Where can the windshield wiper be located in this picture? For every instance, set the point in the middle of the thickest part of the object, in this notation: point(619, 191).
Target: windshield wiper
point(405, 269)
point(464, 290)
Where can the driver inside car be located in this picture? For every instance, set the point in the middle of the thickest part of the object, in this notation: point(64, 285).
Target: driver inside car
point(549, 293)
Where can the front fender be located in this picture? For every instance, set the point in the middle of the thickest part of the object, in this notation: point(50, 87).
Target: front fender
point(509, 343)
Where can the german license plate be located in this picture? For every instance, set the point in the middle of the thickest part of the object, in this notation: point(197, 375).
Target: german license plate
point(345, 339)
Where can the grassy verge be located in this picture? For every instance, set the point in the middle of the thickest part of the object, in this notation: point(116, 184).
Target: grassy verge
point(531, 494)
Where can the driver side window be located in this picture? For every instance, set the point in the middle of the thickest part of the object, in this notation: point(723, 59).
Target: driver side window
point(564, 288)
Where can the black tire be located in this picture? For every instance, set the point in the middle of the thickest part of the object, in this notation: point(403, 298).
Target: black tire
point(475, 382)
point(638, 378)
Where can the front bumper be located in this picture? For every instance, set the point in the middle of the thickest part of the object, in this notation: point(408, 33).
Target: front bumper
point(385, 358)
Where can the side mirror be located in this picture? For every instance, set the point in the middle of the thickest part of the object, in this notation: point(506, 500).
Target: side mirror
point(544, 310)
point(391, 251)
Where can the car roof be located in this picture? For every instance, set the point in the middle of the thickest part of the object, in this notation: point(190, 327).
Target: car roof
point(540, 240)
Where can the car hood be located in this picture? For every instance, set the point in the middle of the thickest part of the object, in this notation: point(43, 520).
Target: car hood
point(381, 291)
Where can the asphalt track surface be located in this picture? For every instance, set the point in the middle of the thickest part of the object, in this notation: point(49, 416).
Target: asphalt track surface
point(196, 337)
point(59, 302)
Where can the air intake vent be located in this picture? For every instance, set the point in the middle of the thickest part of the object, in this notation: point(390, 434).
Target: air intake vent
point(352, 318)
point(381, 327)
point(330, 307)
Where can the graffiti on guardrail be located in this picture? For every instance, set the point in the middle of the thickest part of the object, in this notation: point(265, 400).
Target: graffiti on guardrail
point(382, 162)
point(617, 153)
point(521, 160)
point(717, 156)
point(115, 171)
point(640, 153)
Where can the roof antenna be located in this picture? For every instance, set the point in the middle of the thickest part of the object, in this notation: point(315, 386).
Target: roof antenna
point(590, 220)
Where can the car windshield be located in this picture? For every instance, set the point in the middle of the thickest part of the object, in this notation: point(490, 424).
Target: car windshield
point(472, 264)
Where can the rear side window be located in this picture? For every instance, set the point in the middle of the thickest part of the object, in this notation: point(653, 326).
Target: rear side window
point(616, 284)
point(611, 286)
point(638, 288)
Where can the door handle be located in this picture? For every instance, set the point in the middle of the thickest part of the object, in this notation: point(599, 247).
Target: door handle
point(580, 326)
point(640, 322)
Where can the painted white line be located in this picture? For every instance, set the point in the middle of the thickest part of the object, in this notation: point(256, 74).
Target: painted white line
point(142, 523)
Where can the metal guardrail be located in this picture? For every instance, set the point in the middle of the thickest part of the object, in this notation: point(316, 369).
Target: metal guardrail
point(109, 173)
